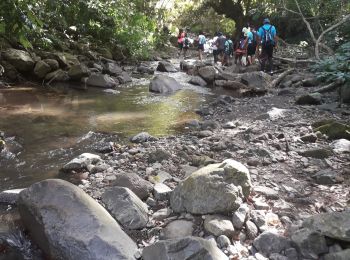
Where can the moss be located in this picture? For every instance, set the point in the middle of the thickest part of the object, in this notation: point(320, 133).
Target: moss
point(335, 130)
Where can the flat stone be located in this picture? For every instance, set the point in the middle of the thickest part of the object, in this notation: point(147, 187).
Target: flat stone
point(177, 229)
point(318, 153)
point(267, 192)
point(162, 214)
point(9, 196)
point(269, 242)
point(218, 225)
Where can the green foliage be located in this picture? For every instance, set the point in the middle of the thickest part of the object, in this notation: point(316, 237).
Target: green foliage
point(336, 67)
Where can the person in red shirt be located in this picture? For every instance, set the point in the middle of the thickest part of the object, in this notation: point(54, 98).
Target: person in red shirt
point(180, 41)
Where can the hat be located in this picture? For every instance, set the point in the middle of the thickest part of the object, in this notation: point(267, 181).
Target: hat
point(266, 20)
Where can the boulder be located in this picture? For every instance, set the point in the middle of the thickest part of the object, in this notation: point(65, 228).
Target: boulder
point(218, 225)
point(342, 255)
point(309, 138)
point(76, 72)
point(325, 177)
point(256, 80)
point(240, 216)
point(341, 146)
point(41, 69)
point(162, 214)
point(208, 73)
point(58, 75)
point(81, 162)
point(101, 80)
point(61, 217)
point(164, 84)
point(142, 138)
point(183, 248)
point(158, 155)
point(10, 71)
point(198, 81)
point(334, 130)
point(216, 188)
point(251, 229)
point(223, 241)
point(135, 183)
point(21, 60)
point(124, 78)
point(310, 243)
point(52, 63)
point(161, 191)
point(144, 69)
point(269, 242)
point(165, 66)
point(177, 229)
point(125, 207)
point(186, 66)
point(112, 69)
point(335, 225)
point(309, 99)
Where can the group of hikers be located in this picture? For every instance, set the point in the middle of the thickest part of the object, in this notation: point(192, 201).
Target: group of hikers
point(244, 50)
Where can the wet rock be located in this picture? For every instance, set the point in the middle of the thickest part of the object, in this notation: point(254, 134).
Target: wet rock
point(158, 156)
point(251, 230)
point(9, 196)
point(223, 241)
point(41, 69)
point(52, 63)
point(342, 255)
point(165, 66)
point(216, 188)
point(239, 217)
point(198, 81)
point(335, 225)
point(58, 75)
point(124, 78)
point(310, 243)
point(218, 225)
point(135, 183)
point(101, 81)
point(177, 229)
point(257, 80)
point(78, 71)
point(162, 214)
point(141, 138)
point(81, 162)
point(183, 248)
point(125, 207)
point(164, 84)
point(145, 69)
point(161, 191)
point(335, 130)
point(318, 153)
point(208, 73)
point(341, 146)
point(269, 242)
point(59, 215)
point(309, 99)
point(325, 177)
point(21, 60)
point(112, 69)
point(309, 138)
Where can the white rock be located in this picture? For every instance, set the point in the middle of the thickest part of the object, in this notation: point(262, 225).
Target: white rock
point(161, 191)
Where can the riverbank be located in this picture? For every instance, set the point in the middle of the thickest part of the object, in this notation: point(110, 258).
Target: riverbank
point(292, 168)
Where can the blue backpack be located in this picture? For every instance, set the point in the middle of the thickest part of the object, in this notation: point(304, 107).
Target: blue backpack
point(267, 39)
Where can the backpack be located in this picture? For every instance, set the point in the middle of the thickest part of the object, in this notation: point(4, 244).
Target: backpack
point(229, 46)
point(267, 40)
point(186, 42)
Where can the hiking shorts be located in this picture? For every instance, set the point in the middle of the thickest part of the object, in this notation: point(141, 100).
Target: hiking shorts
point(220, 51)
point(201, 47)
point(267, 51)
point(251, 50)
point(180, 45)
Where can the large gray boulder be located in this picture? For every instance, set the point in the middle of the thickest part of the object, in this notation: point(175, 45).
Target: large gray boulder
point(41, 69)
point(270, 242)
point(198, 81)
point(335, 225)
point(164, 84)
point(57, 75)
point(81, 162)
point(309, 99)
point(21, 60)
point(216, 188)
point(193, 248)
point(68, 224)
point(101, 81)
point(165, 66)
point(135, 183)
point(126, 207)
point(208, 73)
point(257, 79)
point(112, 69)
point(76, 72)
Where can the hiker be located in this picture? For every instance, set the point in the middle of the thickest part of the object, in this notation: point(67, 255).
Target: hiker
point(201, 41)
point(220, 43)
point(228, 51)
point(240, 48)
point(251, 46)
point(268, 40)
point(180, 41)
point(215, 48)
point(186, 44)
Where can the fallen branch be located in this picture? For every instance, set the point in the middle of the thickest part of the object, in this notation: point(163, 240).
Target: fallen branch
point(278, 80)
point(328, 88)
point(295, 61)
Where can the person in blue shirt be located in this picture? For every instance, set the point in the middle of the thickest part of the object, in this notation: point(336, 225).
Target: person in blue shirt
point(268, 39)
point(201, 41)
point(252, 46)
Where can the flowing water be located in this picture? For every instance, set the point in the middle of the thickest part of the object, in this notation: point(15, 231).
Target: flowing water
point(42, 125)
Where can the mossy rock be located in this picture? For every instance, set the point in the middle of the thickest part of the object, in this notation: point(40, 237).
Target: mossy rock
point(335, 130)
point(322, 122)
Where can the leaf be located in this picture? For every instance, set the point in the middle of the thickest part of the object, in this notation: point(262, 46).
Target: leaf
point(24, 41)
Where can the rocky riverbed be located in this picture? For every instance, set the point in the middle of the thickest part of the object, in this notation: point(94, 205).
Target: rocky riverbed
point(262, 176)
